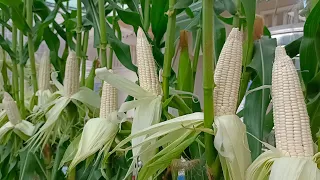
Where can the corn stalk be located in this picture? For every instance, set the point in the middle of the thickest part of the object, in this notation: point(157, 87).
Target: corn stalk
point(31, 46)
point(79, 36)
point(169, 48)
point(4, 67)
point(14, 65)
point(84, 59)
point(103, 35)
point(208, 56)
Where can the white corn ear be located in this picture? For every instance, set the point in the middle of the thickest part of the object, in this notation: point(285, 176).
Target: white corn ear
point(44, 72)
point(109, 100)
point(227, 75)
point(71, 79)
point(291, 120)
point(11, 109)
point(147, 70)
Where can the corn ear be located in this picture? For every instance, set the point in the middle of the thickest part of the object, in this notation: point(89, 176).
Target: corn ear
point(147, 70)
point(292, 159)
point(11, 109)
point(109, 100)
point(231, 139)
point(71, 79)
point(44, 72)
point(291, 120)
point(227, 75)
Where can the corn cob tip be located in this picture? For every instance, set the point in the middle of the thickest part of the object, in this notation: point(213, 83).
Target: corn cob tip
point(11, 109)
point(280, 52)
point(44, 72)
point(71, 80)
point(183, 38)
point(140, 33)
point(45, 55)
point(72, 54)
point(235, 33)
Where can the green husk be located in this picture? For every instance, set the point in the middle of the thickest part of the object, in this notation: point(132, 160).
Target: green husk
point(232, 144)
point(24, 127)
point(274, 165)
point(177, 133)
point(98, 133)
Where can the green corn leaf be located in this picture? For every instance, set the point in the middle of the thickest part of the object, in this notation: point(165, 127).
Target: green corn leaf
point(88, 97)
point(16, 14)
point(250, 12)
point(309, 48)
point(181, 4)
point(122, 84)
point(164, 158)
point(159, 19)
point(219, 37)
point(5, 24)
point(56, 172)
point(121, 50)
point(259, 100)
point(313, 108)
point(70, 151)
point(292, 49)
point(5, 46)
point(31, 166)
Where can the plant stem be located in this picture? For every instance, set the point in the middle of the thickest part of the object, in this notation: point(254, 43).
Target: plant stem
point(110, 60)
point(169, 48)
point(196, 53)
point(146, 14)
point(208, 57)
point(21, 74)
point(72, 174)
point(103, 36)
point(4, 66)
point(15, 74)
point(79, 27)
point(84, 59)
point(31, 46)
point(236, 19)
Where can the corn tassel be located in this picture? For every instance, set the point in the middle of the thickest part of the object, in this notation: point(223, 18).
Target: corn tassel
point(147, 70)
point(71, 78)
point(292, 128)
point(109, 100)
point(227, 75)
point(44, 72)
point(11, 109)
